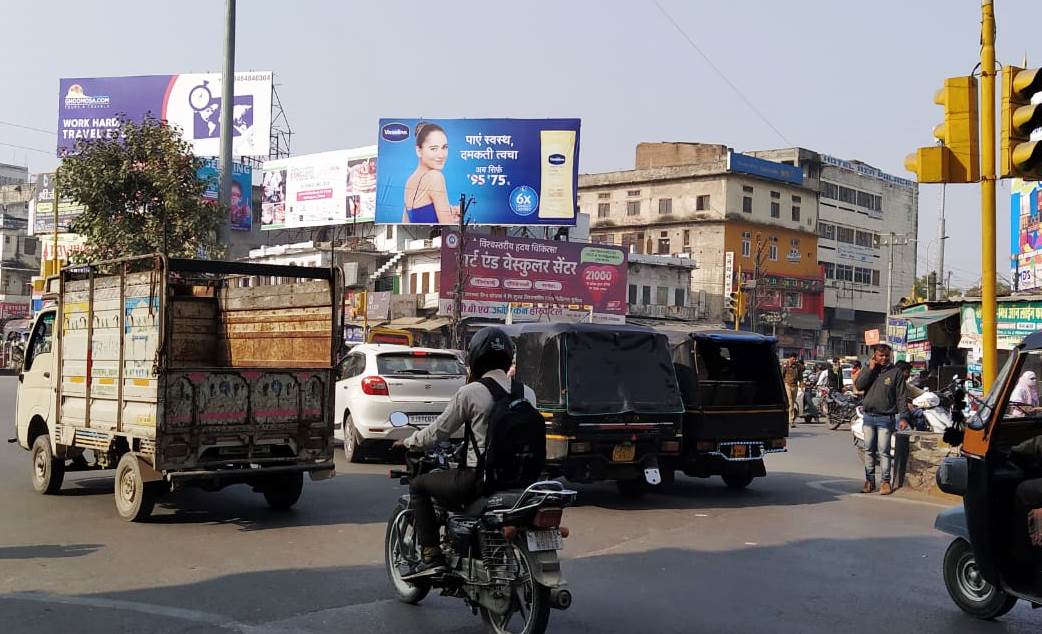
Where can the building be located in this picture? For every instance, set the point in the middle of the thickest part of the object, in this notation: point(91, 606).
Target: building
point(859, 207)
point(729, 212)
point(13, 174)
point(659, 290)
point(19, 252)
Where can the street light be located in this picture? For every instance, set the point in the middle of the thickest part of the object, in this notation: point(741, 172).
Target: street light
point(898, 239)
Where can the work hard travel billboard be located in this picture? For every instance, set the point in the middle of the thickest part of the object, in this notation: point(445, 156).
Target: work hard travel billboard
point(89, 107)
point(534, 280)
point(518, 171)
point(41, 212)
point(240, 216)
point(331, 188)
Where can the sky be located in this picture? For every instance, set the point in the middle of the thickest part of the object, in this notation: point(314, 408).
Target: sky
point(851, 79)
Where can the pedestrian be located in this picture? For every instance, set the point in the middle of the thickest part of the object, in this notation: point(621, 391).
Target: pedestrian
point(855, 371)
point(792, 374)
point(885, 397)
point(1023, 401)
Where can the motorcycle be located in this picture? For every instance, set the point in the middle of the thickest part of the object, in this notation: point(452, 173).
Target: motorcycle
point(500, 551)
point(807, 402)
point(842, 408)
point(941, 412)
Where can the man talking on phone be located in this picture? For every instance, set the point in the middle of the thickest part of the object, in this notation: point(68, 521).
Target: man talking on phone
point(885, 397)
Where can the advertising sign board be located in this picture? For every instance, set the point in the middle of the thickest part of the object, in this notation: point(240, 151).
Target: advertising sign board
point(330, 188)
point(241, 212)
point(518, 171)
point(41, 214)
point(90, 107)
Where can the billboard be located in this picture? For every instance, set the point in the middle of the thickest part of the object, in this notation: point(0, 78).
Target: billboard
point(1025, 241)
point(312, 190)
point(41, 213)
point(763, 168)
point(536, 280)
point(89, 107)
point(240, 216)
point(518, 171)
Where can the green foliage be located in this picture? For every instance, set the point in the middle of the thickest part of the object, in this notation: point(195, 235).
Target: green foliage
point(141, 193)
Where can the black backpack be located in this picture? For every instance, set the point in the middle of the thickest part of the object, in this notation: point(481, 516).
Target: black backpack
point(515, 442)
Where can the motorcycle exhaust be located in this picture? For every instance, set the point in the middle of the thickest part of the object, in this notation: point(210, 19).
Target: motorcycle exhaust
point(560, 599)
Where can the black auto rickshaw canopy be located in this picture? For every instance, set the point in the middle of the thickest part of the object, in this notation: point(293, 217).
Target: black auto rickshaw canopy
point(597, 369)
point(728, 368)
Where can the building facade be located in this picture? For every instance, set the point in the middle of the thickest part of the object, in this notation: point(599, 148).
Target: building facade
point(859, 207)
point(726, 211)
point(19, 252)
point(13, 174)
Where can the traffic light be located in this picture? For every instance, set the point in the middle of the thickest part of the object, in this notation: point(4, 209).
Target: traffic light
point(736, 305)
point(957, 159)
point(1020, 157)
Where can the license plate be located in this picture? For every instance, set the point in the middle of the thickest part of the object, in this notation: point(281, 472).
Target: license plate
point(423, 419)
point(544, 540)
point(623, 453)
point(739, 451)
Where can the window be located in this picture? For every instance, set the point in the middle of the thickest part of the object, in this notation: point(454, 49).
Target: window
point(862, 276)
point(603, 210)
point(795, 213)
point(687, 237)
point(663, 243)
point(680, 297)
point(772, 250)
point(794, 244)
point(776, 195)
point(633, 294)
point(747, 245)
point(845, 234)
point(407, 363)
point(633, 192)
point(702, 203)
point(604, 196)
point(864, 239)
point(796, 200)
point(872, 202)
point(826, 231)
point(830, 270)
point(633, 208)
point(602, 238)
point(437, 281)
point(665, 206)
point(775, 209)
point(661, 296)
point(352, 366)
point(793, 300)
point(29, 246)
point(875, 277)
point(845, 272)
point(634, 241)
point(41, 339)
point(390, 232)
point(747, 189)
point(415, 283)
point(425, 283)
point(747, 204)
point(645, 292)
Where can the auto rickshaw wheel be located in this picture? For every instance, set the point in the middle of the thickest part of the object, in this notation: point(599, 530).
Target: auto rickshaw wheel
point(968, 588)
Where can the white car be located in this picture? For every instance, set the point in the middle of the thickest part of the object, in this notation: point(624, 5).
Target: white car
point(377, 379)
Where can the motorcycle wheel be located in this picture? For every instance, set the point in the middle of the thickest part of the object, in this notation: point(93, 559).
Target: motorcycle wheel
point(400, 548)
point(969, 590)
point(835, 420)
point(530, 610)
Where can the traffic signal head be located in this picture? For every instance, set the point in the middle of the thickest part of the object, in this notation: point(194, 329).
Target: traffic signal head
point(1020, 157)
point(957, 160)
point(736, 305)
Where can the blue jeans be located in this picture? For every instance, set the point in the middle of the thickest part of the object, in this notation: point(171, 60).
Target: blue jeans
point(878, 429)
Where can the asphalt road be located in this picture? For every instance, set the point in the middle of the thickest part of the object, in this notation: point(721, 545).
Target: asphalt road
point(799, 551)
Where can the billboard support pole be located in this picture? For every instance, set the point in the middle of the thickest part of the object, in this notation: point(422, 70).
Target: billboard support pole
point(227, 99)
point(457, 308)
point(55, 266)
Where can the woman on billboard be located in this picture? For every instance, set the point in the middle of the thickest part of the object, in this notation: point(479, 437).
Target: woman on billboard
point(426, 200)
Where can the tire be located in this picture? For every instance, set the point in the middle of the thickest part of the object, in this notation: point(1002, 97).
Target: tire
point(353, 448)
point(968, 589)
point(134, 497)
point(808, 419)
point(48, 471)
point(633, 488)
point(406, 592)
point(282, 491)
point(738, 480)
point(538, 598)
point(669, 478)
point(835, 421)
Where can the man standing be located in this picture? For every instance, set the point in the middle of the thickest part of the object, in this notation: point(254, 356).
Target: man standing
point(792, 374)
point(885, 397)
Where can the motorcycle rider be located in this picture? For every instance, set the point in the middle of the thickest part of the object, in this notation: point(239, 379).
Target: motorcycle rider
point(489, 355)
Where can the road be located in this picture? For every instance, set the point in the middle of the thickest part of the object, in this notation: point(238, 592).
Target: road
point(799, 551)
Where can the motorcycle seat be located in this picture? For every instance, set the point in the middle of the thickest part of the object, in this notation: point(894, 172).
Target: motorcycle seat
point(496, 501)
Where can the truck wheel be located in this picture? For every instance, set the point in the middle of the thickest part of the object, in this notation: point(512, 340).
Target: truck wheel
point(738, 480)
point(283, 491)
point(134, 497)
point(974, 594)
point(48, 471)
point(669, 478)
point(633, 488)
point(353, 449)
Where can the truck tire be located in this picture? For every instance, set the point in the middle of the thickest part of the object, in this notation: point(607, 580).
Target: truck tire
point(48, 471)
point(738, 479)
point(283, 491)
point(632, 488)
point(135, 498)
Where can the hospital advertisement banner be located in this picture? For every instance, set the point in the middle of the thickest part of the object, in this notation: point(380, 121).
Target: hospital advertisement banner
point(534, 280)
point(240, 216)
point(514, 171)
point(90, 107)
point(313, 190)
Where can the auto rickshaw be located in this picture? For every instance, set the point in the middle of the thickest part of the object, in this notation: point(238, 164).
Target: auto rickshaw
point(736, 407)
point(991, 563)
point(610, 398)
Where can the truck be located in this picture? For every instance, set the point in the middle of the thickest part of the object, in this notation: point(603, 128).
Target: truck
point(178, 373)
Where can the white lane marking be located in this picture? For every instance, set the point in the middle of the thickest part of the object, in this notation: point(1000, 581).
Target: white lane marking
point(196, 616)
point(822, 485)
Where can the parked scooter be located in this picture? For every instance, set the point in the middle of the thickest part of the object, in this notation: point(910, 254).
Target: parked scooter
point(807, 403)
point(940, 412)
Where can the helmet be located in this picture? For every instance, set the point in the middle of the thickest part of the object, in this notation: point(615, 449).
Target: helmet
point(490, 349)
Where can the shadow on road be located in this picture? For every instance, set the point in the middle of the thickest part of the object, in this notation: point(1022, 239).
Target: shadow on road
point(48, 551)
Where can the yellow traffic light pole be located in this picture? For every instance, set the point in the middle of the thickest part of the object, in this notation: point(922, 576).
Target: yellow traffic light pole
point(987, 189)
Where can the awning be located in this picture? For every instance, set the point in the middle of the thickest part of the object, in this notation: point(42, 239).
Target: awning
point(412, 323)
point(803, 321)
point(928, 317)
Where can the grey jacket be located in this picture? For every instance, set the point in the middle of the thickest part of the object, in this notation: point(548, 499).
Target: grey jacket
point(471, 402)
point(885, 390)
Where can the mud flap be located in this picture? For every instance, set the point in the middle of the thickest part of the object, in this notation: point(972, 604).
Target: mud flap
point(545, 565)
point(324, 474)
point(148, 474)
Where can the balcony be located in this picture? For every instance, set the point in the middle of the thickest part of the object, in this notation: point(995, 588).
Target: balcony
point(681, 313)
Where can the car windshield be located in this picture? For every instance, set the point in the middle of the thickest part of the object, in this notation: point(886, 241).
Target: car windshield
point(425, 363)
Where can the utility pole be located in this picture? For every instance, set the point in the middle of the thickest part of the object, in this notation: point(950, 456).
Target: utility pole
point(987, 190)
point(457, 302)
point(227, 103)
point(941, 237)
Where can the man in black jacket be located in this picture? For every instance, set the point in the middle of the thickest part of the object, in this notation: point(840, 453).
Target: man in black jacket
point(885, 397)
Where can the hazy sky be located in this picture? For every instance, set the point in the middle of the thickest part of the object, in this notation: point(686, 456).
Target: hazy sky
point(852, 79)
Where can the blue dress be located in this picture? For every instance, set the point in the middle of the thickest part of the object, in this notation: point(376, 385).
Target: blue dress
point(423, 215)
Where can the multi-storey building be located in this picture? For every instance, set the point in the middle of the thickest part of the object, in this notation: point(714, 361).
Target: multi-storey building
point(19, 252)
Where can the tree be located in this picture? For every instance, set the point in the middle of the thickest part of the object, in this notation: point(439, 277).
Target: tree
point(142, 194)
point(1002, 289)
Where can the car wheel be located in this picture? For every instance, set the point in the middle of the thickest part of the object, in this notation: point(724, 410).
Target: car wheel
point(352, 443)
point(48, 471)
point(974, 594)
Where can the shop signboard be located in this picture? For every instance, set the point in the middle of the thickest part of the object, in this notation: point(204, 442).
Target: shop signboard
point(1014, 321)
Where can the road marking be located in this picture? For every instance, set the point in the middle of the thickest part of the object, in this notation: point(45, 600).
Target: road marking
point(196, 616)
point(822, 485)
